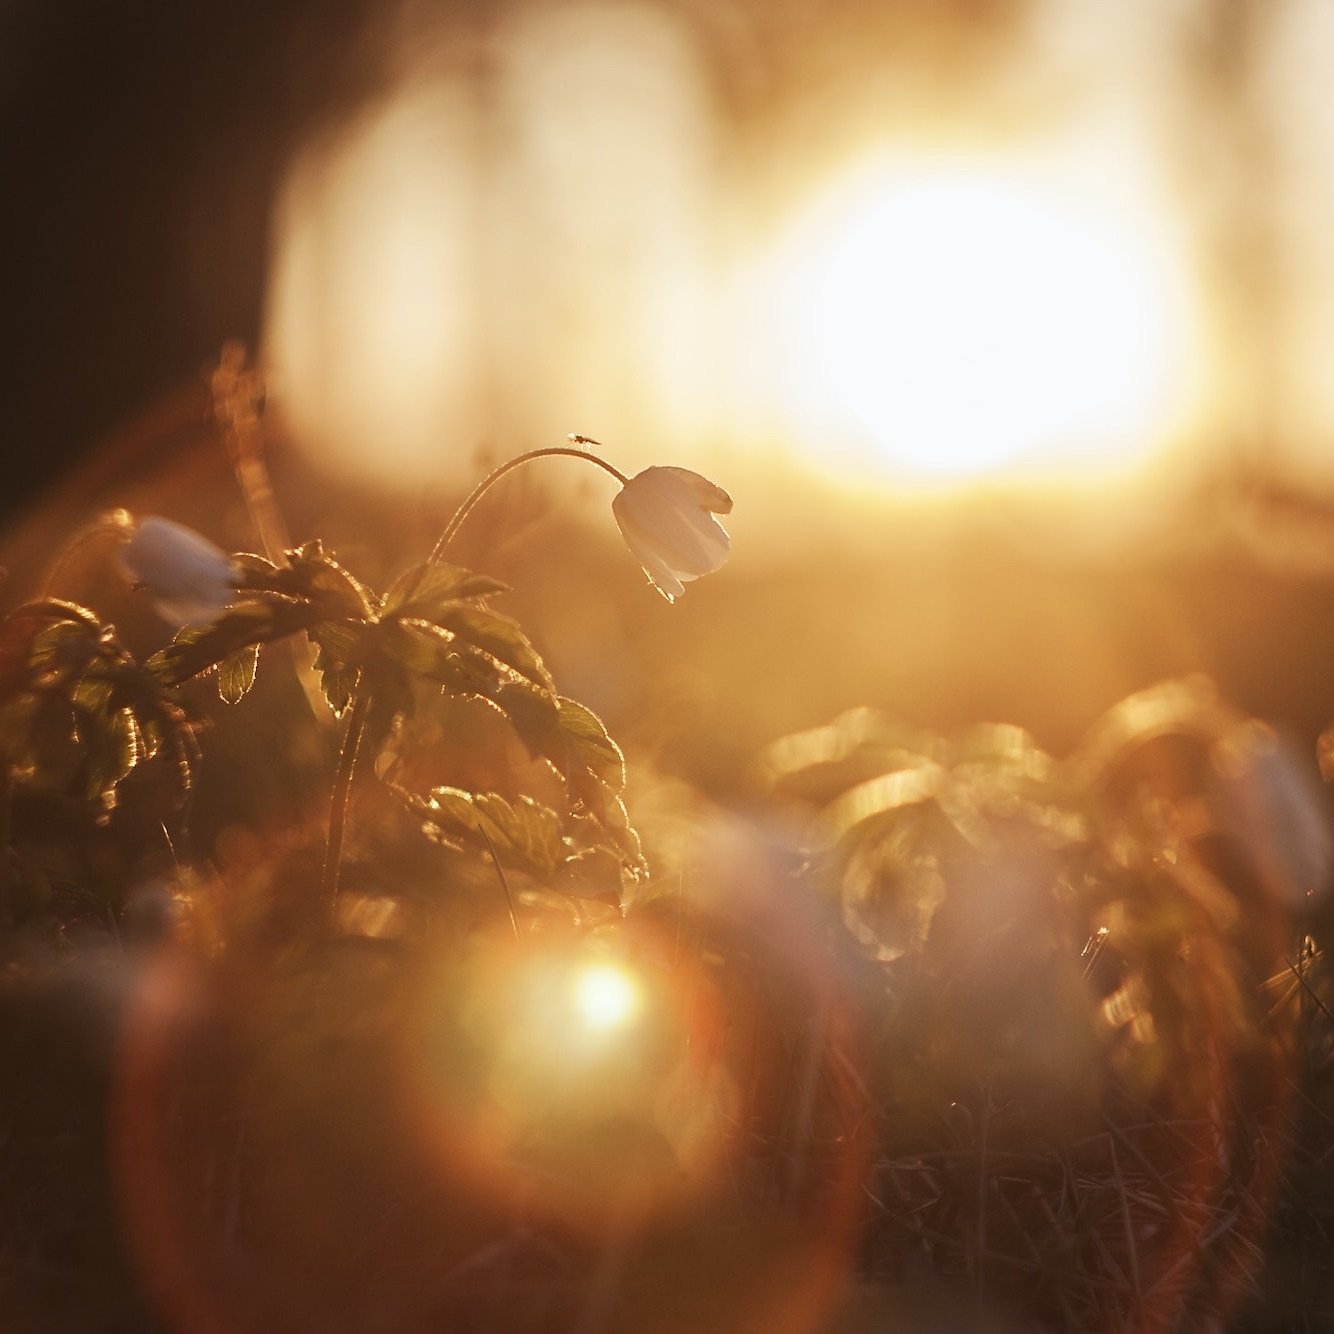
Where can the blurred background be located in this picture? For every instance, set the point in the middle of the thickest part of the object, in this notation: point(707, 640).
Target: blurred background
point(1004, 322)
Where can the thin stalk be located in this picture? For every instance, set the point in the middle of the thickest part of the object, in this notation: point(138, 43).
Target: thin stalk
point(238, 397)
point(487, 482)
point(238, 394)
point(504, 880)
point(114, 522)
point(341, 797)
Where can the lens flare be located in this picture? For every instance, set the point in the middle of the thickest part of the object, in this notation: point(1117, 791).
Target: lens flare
point(605, 997)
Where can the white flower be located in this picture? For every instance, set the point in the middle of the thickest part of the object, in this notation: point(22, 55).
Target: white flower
point(666, 518)
point(189, 579)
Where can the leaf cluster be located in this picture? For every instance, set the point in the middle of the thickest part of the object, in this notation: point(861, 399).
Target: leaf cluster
point(433, 630)
point(1083, 1047)
point(1138, 861)
point(78, 713)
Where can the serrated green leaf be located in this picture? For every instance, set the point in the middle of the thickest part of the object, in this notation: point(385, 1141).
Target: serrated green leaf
point(61, 648)
point(198, 649)
point(152, 734)
point(525, 835)
point(236, 673)
point(572, 738)
point(338, 682)
point(339, 649)
point(591, 744)
point(625, 841)
point(93, 695)
point(310, 576)
point(534, 715)
point(490, 631)
point(422, 589)
point(317, 576)
point(112, 746)
point(428, 651)
point(533, 829)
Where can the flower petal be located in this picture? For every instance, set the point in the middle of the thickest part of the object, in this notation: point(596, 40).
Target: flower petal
point(663, 505)
point(666, 518)
point(189, 578)
point(709, 495)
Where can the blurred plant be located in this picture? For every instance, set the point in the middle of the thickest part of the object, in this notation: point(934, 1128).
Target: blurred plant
point(77, 710)
point(1075, 957)
point(78, 716)
point(434, 627)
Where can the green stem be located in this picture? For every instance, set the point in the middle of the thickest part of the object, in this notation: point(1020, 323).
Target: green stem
point(487, 482)
point(341, 798)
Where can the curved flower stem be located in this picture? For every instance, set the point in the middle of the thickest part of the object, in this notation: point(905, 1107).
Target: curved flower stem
point(114, 522)
point(487, 482)
point(340, 799)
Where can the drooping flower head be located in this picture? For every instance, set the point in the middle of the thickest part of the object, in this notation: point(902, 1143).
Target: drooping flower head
point(666, 518)
point(188, 578)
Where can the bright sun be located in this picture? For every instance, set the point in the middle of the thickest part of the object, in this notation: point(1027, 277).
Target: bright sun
point(605, 997)
point(965, 324)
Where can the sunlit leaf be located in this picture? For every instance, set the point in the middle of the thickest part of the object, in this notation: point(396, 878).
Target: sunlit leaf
point(318, 576)
point(236, 673)
point(423, 588)
point(198, 649)
point(493, 633)
point(605, 825)
point(525, 835)
point(888, 793)
point(339, 649)
point(1188, 708)
point(61, 648)
point(572, 738)
point(56, 609)
point(310, 576)
point(329, 578)
point(428, 651)
point(590, 743)
point(253, 566)
point(93, 695)
point(861, 744)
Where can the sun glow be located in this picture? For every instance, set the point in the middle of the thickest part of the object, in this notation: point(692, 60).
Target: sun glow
point(605, 997)
point(956, 322)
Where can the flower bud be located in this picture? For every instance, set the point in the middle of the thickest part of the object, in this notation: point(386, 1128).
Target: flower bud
point(188, 578)
point(666, 518)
